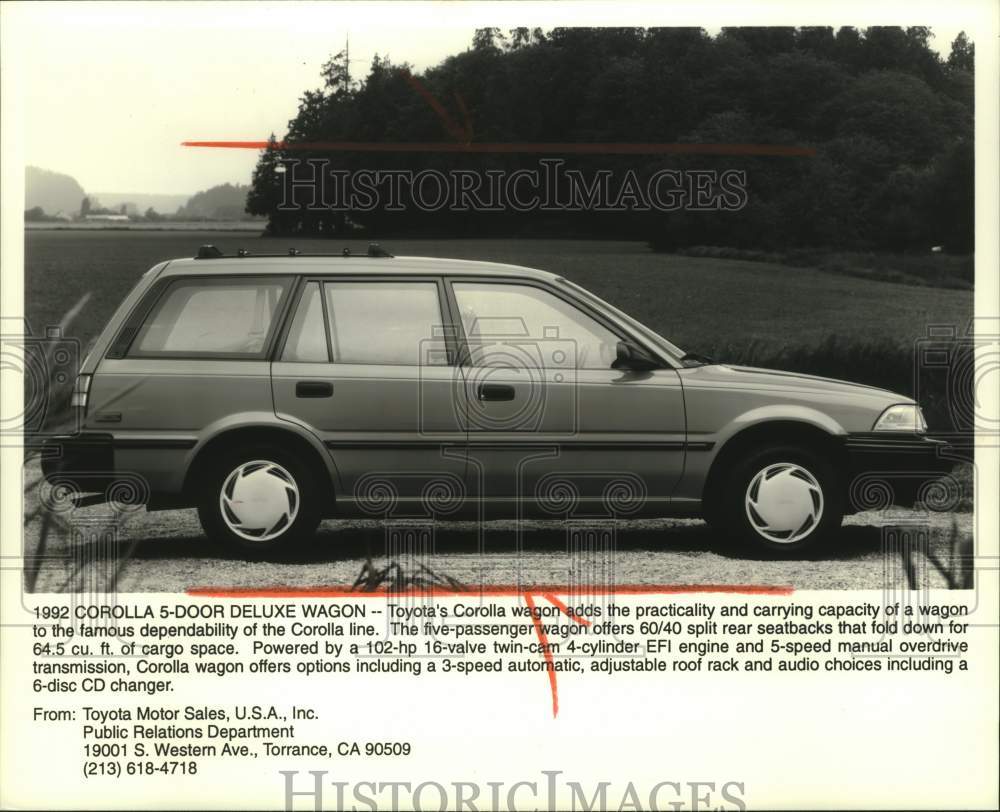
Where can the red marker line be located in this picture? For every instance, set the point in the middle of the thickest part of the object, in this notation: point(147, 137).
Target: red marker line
point(562, 607)
point(549, 660)
point(544, 148)
point(454, 130)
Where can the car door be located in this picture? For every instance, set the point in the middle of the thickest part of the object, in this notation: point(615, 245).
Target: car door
point(551, 425)
point(367, 364)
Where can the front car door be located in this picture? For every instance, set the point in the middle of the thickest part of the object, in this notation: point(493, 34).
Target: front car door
point(552, 427)
point(367, 364)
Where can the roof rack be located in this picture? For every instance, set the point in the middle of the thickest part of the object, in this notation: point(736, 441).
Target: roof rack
point(375, 251)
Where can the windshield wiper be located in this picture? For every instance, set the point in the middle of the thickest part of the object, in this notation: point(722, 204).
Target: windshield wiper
point(696, 359)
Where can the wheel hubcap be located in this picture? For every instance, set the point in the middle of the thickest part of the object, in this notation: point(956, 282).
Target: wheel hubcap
point(784, 503)
point(259, 500)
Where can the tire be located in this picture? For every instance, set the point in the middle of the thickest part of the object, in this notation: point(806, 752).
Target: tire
point(780, 499)
point(260, 501)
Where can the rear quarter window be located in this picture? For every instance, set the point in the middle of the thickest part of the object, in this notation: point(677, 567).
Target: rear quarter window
point(227, 317)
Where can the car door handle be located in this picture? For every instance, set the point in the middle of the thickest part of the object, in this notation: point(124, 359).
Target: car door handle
point(313, 389)
point(496, 391)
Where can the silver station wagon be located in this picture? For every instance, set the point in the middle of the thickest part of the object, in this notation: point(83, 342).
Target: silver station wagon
point(270, 392)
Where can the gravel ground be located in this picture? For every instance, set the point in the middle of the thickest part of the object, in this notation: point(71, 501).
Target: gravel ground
point(166, 552)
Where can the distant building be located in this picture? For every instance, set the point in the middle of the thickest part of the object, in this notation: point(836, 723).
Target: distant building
point(103, 218)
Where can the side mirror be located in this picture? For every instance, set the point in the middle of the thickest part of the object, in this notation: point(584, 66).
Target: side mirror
point(634, 358)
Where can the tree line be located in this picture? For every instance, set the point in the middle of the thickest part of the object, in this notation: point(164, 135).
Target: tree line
point(886, 121)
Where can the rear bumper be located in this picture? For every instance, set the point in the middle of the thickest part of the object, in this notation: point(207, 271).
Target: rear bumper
point(85, 462)
point(898, 469)
point(139, 469)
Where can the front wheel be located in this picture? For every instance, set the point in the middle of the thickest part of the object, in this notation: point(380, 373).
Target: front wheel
point(259, 501)
point(781, 499)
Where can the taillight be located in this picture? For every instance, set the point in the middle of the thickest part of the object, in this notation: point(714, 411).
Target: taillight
point(80, 391)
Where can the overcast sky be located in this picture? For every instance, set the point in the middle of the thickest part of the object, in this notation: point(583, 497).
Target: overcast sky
point(113, 94)
point(111, 91)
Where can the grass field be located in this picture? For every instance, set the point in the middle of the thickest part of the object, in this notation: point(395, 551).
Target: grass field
point(939, 270)
point(701, 304)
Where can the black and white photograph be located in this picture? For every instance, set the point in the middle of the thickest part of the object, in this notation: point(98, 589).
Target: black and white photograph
point(670, 335)
point(692, 278)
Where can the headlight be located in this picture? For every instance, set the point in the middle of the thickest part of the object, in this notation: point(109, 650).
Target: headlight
point(903, 417)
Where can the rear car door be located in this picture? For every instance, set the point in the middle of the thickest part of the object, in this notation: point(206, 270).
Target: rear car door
point(367, 364)
point(550, 423)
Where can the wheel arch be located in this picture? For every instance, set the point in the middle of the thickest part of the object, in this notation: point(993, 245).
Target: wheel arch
point(312, 453)
point(782, 430)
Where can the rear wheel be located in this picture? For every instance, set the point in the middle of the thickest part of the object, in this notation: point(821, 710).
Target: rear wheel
point(260, 501)
point(782, 499)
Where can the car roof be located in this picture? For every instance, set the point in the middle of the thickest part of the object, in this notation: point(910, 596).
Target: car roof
point(360, 265)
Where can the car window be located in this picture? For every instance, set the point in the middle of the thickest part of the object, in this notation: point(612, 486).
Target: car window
point(307, 336)
point(632, 322)
point(526, 326)
point(212, 317)
point(393, 323)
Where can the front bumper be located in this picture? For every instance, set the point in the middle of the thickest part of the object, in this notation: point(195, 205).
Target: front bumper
point(85, 462)
point(899, 469)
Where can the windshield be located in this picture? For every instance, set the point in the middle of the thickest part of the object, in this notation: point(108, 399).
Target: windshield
point(638, 326)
